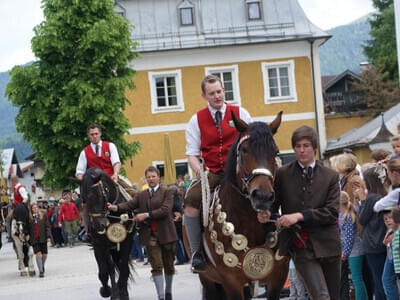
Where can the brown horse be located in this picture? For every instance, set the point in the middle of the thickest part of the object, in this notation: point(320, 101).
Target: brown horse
point(240, 250)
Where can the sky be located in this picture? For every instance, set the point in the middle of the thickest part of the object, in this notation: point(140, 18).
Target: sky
point(19, 17)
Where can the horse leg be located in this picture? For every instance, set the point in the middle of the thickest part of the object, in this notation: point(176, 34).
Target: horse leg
point(276, 283)
point(233, 289)
point(20, 256)
point(211, 290)
point(124, 268)
point(31, 266)
point(111, 272)
point(105, 290)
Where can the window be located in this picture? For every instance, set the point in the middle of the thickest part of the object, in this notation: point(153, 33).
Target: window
point(253, 10)
point(230, 79)
point(186, 13)
point(279, 82)
point(166, 91)
point(181, 167)
point(186, 16)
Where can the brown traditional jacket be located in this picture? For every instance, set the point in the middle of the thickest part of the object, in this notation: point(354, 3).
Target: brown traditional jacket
point(159, 208)
point(317, 199)
point(44, 229)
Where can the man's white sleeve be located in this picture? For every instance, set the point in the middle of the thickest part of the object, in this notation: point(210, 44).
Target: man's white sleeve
point(82, 164)
point(114, 156)
point(23, 192)
point(245, 116)
point(193, 138)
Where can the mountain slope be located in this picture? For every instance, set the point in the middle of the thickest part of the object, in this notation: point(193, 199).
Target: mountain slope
point(344, 50)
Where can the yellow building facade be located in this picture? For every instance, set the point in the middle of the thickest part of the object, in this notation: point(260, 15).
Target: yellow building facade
point(149, 127)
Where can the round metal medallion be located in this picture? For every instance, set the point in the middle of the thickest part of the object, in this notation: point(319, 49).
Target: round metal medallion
point(228, 228)
point(272, 239)
point(116, 233)
point(213, 236)
point(257, 263)
point(230, 260)
point(124, 217)
point(219, 248)
point(221, 217)
point(239, 242)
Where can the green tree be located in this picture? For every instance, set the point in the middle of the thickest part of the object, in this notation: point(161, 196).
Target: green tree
point(381, 49)
point(80, 78)
point(377, 93)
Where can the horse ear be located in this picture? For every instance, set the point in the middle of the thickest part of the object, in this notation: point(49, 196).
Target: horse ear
point(240, 125)
point(276, 123)
point(75, 180)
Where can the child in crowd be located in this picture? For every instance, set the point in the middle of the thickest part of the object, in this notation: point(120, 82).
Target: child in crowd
point(395, 141)
point(351, 244)
point(392, 198)
point(388, 276)
point(297, 291)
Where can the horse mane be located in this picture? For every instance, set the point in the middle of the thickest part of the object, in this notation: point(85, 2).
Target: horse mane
point(261, 142)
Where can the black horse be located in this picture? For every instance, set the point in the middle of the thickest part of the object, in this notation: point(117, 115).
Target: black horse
point(97, 189)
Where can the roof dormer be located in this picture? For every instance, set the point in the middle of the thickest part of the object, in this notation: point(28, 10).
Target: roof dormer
point(186, 13)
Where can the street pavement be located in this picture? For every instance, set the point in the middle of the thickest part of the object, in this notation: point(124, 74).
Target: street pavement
point(71, 273)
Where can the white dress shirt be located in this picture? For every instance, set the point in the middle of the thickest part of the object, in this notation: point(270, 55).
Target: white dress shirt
point(193, 136)
point(82, 161)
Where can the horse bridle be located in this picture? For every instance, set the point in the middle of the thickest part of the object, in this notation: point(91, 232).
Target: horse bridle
point(102, 191)
point(247, 176)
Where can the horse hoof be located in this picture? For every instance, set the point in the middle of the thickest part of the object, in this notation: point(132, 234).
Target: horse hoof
point(105, 291)
point(123, 295)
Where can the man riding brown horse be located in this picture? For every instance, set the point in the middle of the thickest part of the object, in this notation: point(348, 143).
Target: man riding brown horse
point(210, 135)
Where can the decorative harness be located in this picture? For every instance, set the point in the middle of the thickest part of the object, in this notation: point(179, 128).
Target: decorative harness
point(116, 232)
point(256, 263)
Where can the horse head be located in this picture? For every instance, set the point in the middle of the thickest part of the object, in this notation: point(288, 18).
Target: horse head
point(97, 189)
point(253, 156)
point(21, 217)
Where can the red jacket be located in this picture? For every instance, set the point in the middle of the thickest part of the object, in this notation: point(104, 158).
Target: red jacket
point(103, 162)
point(67, 212)
point(215, 145)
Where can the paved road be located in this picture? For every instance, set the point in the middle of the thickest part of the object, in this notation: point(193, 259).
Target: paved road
point(71, 273)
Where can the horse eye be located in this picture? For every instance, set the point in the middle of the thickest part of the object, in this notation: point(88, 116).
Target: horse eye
point(244, 150)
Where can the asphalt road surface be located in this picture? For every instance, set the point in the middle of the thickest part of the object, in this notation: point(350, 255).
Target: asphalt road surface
point(71, 273)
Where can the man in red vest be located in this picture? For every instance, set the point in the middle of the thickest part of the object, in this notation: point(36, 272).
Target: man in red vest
point(20, 192)
point(208, 135)
point(98, 154)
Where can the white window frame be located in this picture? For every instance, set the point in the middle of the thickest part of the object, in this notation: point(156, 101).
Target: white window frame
point(235, 80)
point(153, 92)
point(260, 6)
point(155, 163)
point(292, 82)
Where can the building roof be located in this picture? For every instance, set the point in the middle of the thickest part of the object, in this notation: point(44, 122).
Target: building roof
point(9, 162)
point(157, 26)
point(329, 81)
point(363, 135)
point(26, 165)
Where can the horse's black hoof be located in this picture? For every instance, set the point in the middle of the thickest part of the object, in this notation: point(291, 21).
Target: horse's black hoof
point(105, 291)
point(123, 295)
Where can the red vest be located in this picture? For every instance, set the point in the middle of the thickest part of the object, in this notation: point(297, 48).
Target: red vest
point(17, 196)
point(215, 145)
point(102, 162)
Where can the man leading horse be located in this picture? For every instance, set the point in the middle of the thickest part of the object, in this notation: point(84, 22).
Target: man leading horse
point(210, 135)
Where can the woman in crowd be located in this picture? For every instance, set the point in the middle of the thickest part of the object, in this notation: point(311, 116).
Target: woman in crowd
point(373, 228)
point(351, 244)
point(40, 233)
point(393, 197)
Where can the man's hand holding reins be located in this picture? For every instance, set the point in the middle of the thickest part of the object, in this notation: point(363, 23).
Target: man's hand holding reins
point(263, 216)
point(112, 207)
point(141, 217)
point(290, 219)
